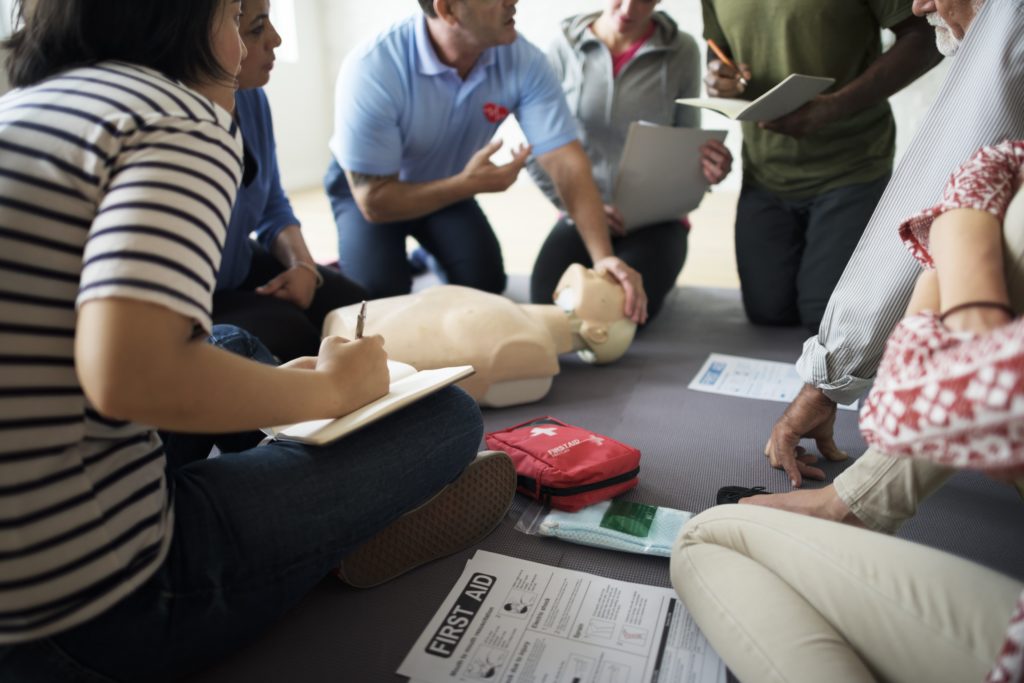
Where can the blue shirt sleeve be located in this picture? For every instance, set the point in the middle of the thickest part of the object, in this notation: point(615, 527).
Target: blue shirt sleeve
point(274, 211)
point(542, 112)
point(277, 213)
point(261, 205)
point(367, 105)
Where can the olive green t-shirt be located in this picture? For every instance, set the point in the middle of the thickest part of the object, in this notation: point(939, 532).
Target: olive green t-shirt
point(835, 38)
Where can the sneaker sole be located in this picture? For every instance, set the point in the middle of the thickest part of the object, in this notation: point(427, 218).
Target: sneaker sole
point(458, 516)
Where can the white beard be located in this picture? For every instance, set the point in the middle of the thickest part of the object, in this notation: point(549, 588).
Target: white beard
point(945, 41)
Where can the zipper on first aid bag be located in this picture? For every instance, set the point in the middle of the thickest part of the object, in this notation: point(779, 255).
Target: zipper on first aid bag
point(546, 492)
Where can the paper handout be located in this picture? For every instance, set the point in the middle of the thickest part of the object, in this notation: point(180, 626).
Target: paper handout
point(788, 96)
point(516, 621)
point(660, 177)
point(767, 380)
point(407, 385)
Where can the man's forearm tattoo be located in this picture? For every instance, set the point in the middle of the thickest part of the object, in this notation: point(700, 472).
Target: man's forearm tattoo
point(361, 179)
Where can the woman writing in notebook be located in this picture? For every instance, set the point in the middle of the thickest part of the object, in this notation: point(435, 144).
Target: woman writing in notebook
point(117, 562)
point(627, 63)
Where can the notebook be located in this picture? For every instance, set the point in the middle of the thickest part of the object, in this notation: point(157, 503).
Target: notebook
point(660, 178)
point(407, 386)
point(786, 97)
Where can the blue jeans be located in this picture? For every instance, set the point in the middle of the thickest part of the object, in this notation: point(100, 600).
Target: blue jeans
point(459, 237)
point(254, 531)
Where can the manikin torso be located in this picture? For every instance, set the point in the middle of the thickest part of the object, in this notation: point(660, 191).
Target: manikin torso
point(513, 347)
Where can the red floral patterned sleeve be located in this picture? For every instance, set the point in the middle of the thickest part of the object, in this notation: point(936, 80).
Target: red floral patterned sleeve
point(987, 182)
point(952, 398)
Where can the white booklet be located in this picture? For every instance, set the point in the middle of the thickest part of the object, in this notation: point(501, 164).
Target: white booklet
point(407, 385)
point(788, 96)
point(516, 621)
point(660, 177)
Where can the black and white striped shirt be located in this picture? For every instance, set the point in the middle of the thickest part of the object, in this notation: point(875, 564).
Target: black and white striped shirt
point(981, 102)
point(114, 182)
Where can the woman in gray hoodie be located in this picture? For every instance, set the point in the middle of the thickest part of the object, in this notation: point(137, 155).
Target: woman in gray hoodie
point(624, 64)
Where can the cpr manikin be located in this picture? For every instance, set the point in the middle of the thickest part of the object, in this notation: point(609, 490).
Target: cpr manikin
point(513, 347)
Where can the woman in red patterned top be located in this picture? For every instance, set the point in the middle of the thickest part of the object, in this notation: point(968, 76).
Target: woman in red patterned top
point(950, 387)
point(783, 596)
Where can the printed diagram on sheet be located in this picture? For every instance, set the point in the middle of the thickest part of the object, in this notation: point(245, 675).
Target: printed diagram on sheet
point(515, 621)
point(766, 380)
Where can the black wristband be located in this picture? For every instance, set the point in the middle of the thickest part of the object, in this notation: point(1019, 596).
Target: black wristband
point(1005, 308)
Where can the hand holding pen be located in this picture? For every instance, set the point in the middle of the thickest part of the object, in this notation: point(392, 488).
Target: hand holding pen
point(724, 77)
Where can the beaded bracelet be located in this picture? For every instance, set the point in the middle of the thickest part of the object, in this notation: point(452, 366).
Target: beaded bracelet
point(313, 269)
point(1005, 308)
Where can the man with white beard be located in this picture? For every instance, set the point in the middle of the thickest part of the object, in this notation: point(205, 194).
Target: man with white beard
point(972, 109)
point(948, 35)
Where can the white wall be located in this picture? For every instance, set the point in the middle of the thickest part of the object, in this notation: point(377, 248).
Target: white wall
point(5, 31)
point(301, 96)
point(328, 29)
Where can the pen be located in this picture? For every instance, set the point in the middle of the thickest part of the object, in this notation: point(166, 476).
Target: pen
point(725, 60)
point(360, 321)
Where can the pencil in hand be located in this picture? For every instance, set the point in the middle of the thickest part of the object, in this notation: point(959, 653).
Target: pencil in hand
point(725, 60)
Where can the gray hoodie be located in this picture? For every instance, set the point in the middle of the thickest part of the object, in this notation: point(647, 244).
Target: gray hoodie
point(666, 67)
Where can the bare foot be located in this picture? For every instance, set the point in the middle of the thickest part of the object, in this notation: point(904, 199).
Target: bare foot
point(823, 503)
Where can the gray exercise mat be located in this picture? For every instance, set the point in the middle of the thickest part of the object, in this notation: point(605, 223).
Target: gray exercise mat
point(692, 443)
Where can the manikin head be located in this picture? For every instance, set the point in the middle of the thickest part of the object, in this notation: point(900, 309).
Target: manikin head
point(950, 18)
point(596, 301)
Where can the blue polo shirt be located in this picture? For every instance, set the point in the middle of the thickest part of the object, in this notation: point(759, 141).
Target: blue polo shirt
point(262, 206)
point(399, 109)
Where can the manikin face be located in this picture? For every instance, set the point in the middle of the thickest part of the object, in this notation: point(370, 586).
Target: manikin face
point(261, 39)
point(597, 301)
point(950, 19)
point(629, 16)
point(487, 22)
point(229, 51)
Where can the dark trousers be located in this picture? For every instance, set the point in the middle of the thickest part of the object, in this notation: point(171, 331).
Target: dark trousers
point(284, 328)
point(791, 252)
point(657, 252)
point(459, 237)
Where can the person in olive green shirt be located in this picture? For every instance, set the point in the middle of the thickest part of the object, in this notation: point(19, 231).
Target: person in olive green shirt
point(812, 178)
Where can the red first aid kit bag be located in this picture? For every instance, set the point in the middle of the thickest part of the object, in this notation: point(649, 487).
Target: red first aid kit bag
point(564, 466)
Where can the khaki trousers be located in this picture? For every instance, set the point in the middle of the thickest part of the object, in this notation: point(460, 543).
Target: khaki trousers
point(884, 492)
point(787, 597)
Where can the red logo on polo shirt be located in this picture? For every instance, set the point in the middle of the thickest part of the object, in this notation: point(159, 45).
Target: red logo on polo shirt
point(495, 113)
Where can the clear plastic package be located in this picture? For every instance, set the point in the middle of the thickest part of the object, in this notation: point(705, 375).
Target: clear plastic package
point(613, 524)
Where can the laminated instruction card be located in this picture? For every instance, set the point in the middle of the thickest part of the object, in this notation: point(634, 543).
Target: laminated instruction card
point(750, 378)
point(516, 621)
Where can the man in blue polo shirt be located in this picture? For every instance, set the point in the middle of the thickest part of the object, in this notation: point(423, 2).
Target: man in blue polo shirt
point(415, 110)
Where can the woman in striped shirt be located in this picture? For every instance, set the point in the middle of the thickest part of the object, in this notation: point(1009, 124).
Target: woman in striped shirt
point(119, 163)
